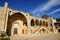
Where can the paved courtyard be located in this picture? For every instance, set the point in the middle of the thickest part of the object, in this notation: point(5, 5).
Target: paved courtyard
point(55, 36)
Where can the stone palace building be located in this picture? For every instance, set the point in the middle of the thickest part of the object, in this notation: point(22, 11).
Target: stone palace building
point(15, 22)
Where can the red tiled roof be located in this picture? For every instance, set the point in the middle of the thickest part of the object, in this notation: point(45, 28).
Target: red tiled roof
point(45, 16)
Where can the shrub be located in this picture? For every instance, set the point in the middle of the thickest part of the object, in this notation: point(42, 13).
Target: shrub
point(3, 36)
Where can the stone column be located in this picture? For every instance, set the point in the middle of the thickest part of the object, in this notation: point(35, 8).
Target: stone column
point(49, 24)
point(5, 15)
point(45, 23)
point(42, 23)
point(53, 26)
point(28, 24)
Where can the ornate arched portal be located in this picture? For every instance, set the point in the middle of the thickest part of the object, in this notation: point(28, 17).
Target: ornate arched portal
point(14, 17)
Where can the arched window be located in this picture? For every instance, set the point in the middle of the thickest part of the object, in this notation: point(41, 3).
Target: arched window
point(15, 30)
point(32, 22)
point(44, 23)
point(37, 22)
point(40, 23)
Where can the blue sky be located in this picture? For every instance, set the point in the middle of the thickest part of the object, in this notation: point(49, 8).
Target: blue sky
point(35, 7)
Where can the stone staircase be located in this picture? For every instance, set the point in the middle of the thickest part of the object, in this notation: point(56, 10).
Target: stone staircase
point(54, 36)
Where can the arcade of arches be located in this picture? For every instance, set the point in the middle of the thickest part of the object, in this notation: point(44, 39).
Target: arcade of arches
point(38, 23)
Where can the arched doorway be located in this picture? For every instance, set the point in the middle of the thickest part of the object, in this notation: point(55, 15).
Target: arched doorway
point(15, 28)
point(22, 31)
point(15, 31)
point(14, 17)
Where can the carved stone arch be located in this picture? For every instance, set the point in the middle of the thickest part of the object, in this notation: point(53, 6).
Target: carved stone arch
point(12, 12)
point(14, 17)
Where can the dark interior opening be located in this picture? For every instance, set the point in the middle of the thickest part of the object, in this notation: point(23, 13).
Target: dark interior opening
point(59, 30)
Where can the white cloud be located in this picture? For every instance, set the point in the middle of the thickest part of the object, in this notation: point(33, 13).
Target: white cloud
point(50, 4)
point(46, 6)
point(54, 11)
